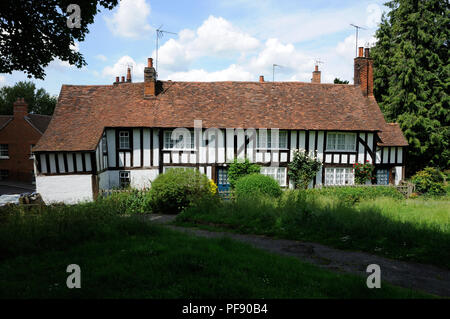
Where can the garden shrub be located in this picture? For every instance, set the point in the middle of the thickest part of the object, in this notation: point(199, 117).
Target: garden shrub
point(303, 168)
point(240, 169)
point(363, 172)
point(177, 189)
point(255, 184)
point(131, 202)
point(429, 181)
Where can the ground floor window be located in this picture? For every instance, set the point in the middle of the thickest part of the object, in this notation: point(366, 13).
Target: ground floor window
point(339, 176)
point(4, 173)
point(124, 179)
point(277, 173)
point(382, 176)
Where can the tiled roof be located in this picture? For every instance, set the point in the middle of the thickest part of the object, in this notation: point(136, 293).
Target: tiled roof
point(83, 112)
point(38, 121)
point(4, 120)
point(391, 135)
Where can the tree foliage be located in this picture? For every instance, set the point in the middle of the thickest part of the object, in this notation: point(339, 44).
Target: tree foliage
point(412, 76)
point(39, 101)
point(34, 33)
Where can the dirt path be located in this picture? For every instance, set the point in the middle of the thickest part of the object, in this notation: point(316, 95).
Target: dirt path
point(427, 278)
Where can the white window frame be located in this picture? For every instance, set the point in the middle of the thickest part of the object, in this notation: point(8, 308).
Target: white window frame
point(341, 142)
point(277, 173)
point(264, 140)
point(172, 145)
point(31, 151)
point(166, 168)
point(339, 176)
point(4, 151)
point(124, 175)
point(124, 140)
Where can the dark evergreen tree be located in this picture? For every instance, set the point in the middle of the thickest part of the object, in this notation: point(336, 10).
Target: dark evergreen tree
point(39, 101)
point(412, 76)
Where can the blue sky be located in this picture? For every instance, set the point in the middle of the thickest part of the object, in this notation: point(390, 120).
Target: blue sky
point(220, 40)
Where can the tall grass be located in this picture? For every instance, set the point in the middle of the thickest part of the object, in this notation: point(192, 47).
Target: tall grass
point(383, 226)
point(31, 230)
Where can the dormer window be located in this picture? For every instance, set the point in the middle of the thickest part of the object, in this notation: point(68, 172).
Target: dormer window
point(124, 140)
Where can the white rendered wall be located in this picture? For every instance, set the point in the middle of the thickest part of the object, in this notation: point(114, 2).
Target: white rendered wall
point(68, 189)
point(142, 178)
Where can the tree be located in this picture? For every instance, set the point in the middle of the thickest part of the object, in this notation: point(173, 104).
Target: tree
point(39, 101)
point(339, 81)
point(412, 77)
point(34, 33)
point(303, 168)
point(239, 169)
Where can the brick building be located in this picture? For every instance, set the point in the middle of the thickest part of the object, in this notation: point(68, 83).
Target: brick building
point(18, 134)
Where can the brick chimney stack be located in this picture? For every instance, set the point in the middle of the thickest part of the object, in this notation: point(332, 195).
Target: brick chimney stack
point(364, 71)
point(128, 75)
point(149, 80)
point(20, 108)
point(316, 75)
point(261, 78)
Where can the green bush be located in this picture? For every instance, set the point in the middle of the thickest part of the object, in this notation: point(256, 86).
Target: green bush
point(254, 184)
point(132, 202)
point(177, 189)
point(429, 181)
point(240, 169)
point(351, 195)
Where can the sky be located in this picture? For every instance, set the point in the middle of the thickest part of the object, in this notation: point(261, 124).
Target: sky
point(219, 40)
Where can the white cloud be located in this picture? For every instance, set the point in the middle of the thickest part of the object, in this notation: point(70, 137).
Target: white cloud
point(232, 73)
point(101, 57)
point(2, 81)
point(374, 13)
point(120, 69)
point(215, 37)
point(130, 19)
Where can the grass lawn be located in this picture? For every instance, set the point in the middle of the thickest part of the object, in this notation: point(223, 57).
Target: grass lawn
point(411, 230)
point(152, 262)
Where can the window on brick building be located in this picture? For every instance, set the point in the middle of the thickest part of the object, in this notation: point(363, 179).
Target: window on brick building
point(4, 151)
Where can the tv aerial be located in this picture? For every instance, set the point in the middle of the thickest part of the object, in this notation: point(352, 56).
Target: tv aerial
point(357, 27)
point(159, 34)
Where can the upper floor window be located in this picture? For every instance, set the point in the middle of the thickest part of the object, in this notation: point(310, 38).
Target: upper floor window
point(124, 140)
point(341, 142)
point(264, 140)
point(4, 152)
point(180, 143)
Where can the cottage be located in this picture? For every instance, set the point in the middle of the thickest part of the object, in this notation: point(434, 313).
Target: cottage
point(107, 136)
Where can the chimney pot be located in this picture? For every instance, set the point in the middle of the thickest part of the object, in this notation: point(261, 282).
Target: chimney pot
point(316, 68)
point(123, 79)
point(117, 79)
point(360, 52)
point(261, 78)
point(367, 52)
point(316, 75)
point(128, 75)
point(150, 62)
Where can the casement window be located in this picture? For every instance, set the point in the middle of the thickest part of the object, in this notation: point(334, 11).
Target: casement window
point(124, 140)
point(264, 140)
point(124, 179)
point(4, 174)
point(344, 142)
point(104, 144)
point(31, 151)
point(4, 152)
point(180, 144)
point(339, 176)
point(382, 176)
point(277, 173)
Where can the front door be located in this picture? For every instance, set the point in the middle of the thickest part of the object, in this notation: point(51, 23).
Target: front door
point(222, 179)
